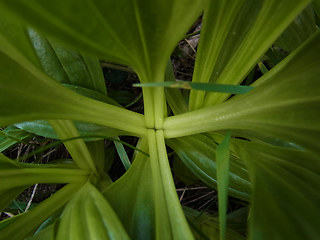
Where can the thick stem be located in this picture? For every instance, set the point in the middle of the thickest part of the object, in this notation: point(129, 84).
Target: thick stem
point(168, 208)
point(30, 176)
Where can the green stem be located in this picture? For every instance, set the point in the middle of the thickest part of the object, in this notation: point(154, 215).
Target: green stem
point(159, 102)
point(203, 120)
point(170, 219)
point(148, 107)
point(110, 116)
point(161, 215)
point(191, 34)
point(175, 211)
point(158, 107)
point(30, 176)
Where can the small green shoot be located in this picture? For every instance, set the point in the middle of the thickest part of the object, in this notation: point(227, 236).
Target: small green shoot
point(122, 154)
point(262, 67)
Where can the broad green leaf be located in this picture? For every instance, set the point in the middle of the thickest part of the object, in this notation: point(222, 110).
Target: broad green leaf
point(46, 55)
point(234, 35)
point(302, 27)
point(206, 227)
point(86, 78)
point(63, 65)
point(273, 56)
point(132, 198)
point(53, 101)
point(7, 221)
point(237, 220)
point(28, 222)
point(122, 97)
point(82, 71)
point(14, 32)
point(48, 234)
point(223, 158)
point(43, 128)
point(19, 101)
point(52, 220)
point(198, 153)
point(173, 96)
point(8, 163)
point(67, 66)
point(283, 105)
point(95, 27)
point(285, 198)
point(89, 216)
point(182, 172)
point(92, 94)
point(10, 136)
point(316, 8)
point(8, 195)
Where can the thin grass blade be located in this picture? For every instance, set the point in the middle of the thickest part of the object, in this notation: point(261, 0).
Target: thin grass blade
point(122, 154)
point(223, 157)
point(210, 87)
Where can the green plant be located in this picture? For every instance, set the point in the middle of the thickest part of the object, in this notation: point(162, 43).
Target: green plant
point(267, 138)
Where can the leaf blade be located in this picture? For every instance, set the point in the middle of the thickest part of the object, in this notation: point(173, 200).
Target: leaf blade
point(89, 216)
point(223, 156)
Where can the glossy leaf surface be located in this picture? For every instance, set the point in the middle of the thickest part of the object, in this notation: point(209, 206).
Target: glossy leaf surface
point(198, 154)
point(18, 105)
point(234, 35)
point(285, 191)
point(302, 27)
point(43, 128)
point(11, 136)
point(284, 104)
point(138, 46)
point(132, 197)
point(18, 99)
